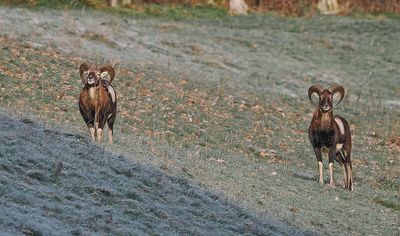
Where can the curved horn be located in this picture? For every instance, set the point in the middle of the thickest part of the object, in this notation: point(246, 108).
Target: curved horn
point(314, 89)
point(83, 67)
point(337, 89)
point(110, 71)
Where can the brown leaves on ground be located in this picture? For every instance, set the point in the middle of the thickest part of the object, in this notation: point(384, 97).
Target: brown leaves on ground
point(267, 153)
point(150, 103)
point(394, 143)
point(38, 81)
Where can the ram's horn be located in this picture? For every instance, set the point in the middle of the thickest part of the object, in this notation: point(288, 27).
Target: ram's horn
point(110, 71)
point(337, 89)
point(84, 67)
point(314, 89)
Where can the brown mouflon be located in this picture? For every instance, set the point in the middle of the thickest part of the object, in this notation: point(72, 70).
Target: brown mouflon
point(98, 100)
point(330, 134)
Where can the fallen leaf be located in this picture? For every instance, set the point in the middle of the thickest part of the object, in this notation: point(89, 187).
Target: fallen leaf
point(182, 82)
point(294, 210)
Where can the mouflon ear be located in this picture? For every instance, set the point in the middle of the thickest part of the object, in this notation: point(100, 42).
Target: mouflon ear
point(83, 68)
point(107, 73)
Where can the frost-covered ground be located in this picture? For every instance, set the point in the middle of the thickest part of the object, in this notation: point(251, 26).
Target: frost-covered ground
point(270, 54)
point(57, 183)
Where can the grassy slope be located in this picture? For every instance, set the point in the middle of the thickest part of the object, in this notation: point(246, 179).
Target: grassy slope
point(241, 142)
point(57, 183)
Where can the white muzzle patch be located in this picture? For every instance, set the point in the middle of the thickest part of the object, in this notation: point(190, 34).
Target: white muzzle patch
point(326, 108)
point(339, 122)
point(90, 81)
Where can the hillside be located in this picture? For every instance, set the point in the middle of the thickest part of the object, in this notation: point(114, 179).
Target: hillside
point(222, 103)
point(57, 183)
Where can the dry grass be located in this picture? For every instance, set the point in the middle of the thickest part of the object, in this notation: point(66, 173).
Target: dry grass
point(373, 6)
point(304, 8)
point(309, 8)
point(287, 8)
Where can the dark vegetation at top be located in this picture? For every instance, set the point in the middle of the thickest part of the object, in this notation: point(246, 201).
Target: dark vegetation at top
point(217, 8)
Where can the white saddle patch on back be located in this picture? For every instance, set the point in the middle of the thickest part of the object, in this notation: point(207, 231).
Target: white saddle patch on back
point(339, 122)
point(111, 92)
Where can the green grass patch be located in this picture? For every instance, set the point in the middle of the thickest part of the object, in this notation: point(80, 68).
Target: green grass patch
point(58, 4)
point(182, 12)
point(140, 10)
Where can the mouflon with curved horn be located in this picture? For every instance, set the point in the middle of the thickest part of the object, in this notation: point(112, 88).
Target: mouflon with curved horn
point(98, 100)
point(330, 133)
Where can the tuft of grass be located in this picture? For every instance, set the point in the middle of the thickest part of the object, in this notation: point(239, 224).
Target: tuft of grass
point(182, 12)
point(99, 38)
point(388, 204)
point(374, 7)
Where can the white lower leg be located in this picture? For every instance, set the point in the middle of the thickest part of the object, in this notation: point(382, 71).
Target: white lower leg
point(350, 178)
point(345, 181)
point(331, 182)
point(92, 133)
point(321, 177)
point(99, 134)
point(110, 136)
